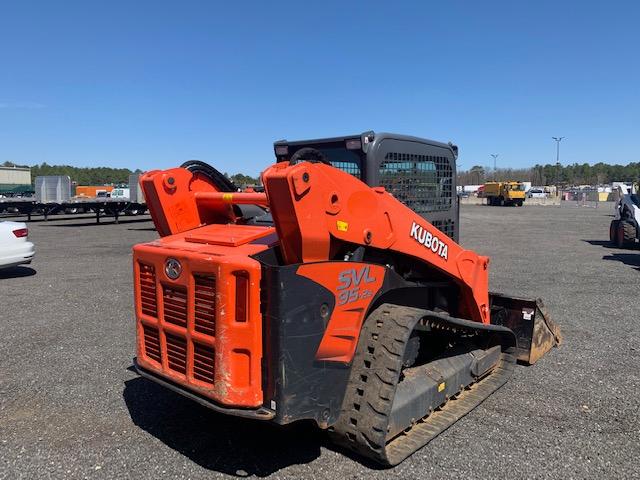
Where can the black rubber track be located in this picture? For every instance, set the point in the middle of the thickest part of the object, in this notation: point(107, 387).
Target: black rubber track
point(628, 233)
point(613, 231)
point(364, 418)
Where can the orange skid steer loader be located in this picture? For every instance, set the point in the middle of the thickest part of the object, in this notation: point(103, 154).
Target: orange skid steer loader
point(339, 294)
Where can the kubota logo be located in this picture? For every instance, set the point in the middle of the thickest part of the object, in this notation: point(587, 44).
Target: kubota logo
point(172, 268)
point(349, 285)
point(432, 242)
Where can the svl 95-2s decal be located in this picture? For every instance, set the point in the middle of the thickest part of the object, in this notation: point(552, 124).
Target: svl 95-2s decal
point(349, 282)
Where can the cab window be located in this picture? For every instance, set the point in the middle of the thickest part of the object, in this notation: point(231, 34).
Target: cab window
point(421, 182)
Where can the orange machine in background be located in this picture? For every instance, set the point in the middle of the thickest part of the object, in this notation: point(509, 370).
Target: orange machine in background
point(92, 191)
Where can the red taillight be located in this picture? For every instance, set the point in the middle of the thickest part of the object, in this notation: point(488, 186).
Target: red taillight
point(242, 295)
point(21, 232)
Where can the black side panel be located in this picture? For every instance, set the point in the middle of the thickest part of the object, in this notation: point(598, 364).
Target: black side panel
point(296, 311)
point(293, 327)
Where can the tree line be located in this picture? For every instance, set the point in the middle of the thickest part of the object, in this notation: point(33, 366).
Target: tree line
point(104, 175)
point(81, 175)
point(553, 174)
point(549, 174)
point(241, 180)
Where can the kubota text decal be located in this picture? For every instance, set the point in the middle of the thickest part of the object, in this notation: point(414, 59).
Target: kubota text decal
point(431, 242)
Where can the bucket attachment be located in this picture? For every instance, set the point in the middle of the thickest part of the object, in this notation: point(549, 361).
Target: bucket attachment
point(535, 332)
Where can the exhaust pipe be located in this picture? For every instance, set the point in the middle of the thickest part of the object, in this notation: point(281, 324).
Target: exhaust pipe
point(535, 332)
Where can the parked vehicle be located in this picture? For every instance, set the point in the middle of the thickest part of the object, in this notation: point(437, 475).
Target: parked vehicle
point(120, 193)
point(537, 193)
point(504, 193)
point(15, 248)
point(624, 230)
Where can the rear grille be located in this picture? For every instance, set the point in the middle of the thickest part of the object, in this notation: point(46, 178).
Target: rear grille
point(177, 353)
point(148, 299)
point(175, 305)
point(203, 363)
point(175, 310)
point(205, 305)
point(151, 343)
point(179, 322)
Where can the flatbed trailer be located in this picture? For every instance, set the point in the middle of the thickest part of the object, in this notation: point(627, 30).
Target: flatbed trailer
point(100, 206)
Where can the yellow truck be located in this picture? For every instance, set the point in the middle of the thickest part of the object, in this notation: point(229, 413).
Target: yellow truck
point(504, 193)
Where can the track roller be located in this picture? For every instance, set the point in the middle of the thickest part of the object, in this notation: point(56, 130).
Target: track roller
point(391, 410)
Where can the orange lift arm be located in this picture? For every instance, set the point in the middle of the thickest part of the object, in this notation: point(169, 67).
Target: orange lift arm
point(316, 208)
point(180, 200)
point(170, 196)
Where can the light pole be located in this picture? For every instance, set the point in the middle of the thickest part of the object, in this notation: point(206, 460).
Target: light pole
point(558, 140)
point(494, 155)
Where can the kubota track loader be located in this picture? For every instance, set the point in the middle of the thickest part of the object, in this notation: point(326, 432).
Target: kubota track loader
point(338, 295)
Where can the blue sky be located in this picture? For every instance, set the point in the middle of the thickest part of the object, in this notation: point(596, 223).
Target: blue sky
point(148, 84)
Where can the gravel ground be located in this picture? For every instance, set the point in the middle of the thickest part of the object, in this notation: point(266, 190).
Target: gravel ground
point(70, 407)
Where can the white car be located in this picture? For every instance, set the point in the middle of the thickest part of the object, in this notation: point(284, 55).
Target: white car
point(15, 248)
point(536, 193)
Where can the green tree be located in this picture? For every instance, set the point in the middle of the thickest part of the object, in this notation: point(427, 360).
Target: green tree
point(477, 174)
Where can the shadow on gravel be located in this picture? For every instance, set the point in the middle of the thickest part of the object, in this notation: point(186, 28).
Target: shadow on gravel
point(104, 221)
point(16, 272)
point(230, 445)
point(609, 245)
point(601, 243)
point(631, 259)
point(150, 229)
point(53, 218)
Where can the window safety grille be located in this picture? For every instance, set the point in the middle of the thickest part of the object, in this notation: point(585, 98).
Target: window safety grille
point(422, 182)
point(445, 226)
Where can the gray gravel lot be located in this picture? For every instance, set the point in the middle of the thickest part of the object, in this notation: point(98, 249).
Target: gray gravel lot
point(70, 407)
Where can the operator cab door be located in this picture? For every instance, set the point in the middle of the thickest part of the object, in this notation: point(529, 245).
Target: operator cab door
point(420, 175)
